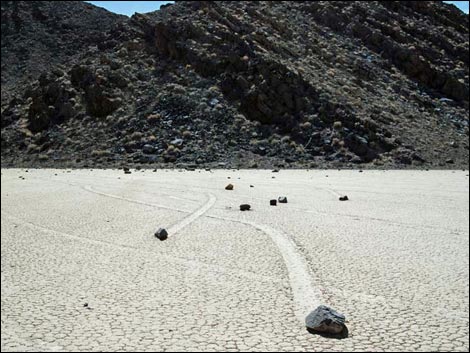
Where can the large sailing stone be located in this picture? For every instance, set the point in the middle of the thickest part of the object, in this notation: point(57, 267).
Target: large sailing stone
point(325, 320)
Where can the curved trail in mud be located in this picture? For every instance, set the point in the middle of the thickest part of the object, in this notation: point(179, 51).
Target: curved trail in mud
point(306, 296)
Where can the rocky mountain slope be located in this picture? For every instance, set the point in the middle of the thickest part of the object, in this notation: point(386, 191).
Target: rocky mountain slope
point(236, 84)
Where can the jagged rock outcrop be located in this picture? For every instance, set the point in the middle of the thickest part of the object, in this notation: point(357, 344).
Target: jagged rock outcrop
point(247, 84)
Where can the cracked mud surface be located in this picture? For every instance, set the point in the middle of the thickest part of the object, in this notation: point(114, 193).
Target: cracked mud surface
point(393, 259)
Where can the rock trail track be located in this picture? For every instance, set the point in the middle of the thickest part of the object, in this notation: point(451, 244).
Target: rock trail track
point(306, 297)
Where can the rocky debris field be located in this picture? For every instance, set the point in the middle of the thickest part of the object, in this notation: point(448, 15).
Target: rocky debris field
point(236, 85)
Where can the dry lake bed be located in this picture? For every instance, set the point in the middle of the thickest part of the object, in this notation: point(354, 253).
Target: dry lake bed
point(82, 270)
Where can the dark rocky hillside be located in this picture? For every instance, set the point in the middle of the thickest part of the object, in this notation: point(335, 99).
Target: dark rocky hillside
point(236, 84)
point(39, 35)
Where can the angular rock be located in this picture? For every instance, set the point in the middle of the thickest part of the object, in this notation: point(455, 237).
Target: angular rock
point(344, 198)
point(273, 202)
point(177, 142)
point(360, 146)
point(325, 320)
point(148, 149)
point(161, 234)
point(282, 199)
point(356, 160)
point(229, 187)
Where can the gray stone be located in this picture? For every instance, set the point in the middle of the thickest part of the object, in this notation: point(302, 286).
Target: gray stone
point(161, 233)
point(213, 102)
point(360, 146)
point(356, 160)
point(177, 142)
point(325, 320)
point(148, 149)
point(446, 100)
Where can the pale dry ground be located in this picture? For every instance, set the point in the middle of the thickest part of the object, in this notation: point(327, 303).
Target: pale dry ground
point(394, 259)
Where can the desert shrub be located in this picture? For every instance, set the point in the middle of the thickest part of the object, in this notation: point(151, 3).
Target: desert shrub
point(99, 153)
point(136, 136)
point(305, 126)
point(153, 118)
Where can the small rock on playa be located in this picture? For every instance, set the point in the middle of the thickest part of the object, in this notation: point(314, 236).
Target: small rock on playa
point(282, 199)
point(273, 202)
point(344, 198)
point(229, 187)
point(161, 234)
point(245, 207)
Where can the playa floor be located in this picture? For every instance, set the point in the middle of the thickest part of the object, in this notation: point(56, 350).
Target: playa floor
point(82, 270)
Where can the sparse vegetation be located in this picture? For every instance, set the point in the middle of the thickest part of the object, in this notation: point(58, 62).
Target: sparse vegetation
point(252, 89)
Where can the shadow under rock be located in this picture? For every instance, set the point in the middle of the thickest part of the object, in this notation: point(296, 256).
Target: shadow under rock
point(339, 336)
